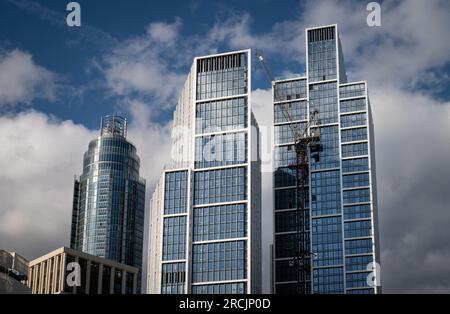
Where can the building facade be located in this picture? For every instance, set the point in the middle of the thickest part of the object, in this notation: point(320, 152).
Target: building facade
point(13, 273)
point(109, 198)
point(53, 274)
point(340, 229)
point(205, 214)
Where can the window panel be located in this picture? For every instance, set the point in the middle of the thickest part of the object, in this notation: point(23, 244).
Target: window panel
point(352, 135)
point(329, 280)
point(353, 247)
point(175, 192)
point(356, 180)
point(357, 196)
point(353, 105)
point(356, 229)
point(357, 263)
point(353, 90)
point(350, 120)
point(220, 185)
point(323, 97)
point(325, 193)
point(219, 261)
point(352, 150)
point(327, 241)
point(221, 115)
point(220, 150)
point(355, 164)
point(174, 238)
point(173, 278)
point(220, 222)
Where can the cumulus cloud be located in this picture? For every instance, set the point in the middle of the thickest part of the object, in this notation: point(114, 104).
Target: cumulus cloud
point(40, 156)
point(164, 32)
point(22, 80)
point(143, 66)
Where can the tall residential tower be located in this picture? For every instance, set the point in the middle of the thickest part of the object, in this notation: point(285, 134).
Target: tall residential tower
point(109, 198)
point(338, 234)
point(205, 214)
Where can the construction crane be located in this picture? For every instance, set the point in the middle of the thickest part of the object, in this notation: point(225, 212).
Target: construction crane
point(307, 145)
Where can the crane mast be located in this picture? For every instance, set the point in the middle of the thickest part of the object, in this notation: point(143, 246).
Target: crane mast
point(307, 145)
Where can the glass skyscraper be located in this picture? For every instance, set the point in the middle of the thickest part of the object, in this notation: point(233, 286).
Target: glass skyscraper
point(109, 198)
point(340, 229)
point(205, 214)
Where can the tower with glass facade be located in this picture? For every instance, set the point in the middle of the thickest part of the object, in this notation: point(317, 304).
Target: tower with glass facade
point(109, 198)
point(205, 213)
point(341, 234)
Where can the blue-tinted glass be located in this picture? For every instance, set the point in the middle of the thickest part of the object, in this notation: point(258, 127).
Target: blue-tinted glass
point(173, 278)
point(221, 185)
point(220, 150)
point(327, 241)
point(219, 222)
point(219, 261)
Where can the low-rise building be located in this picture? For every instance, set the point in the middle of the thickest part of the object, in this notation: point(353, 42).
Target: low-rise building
point(57, 271)
point(13, 273)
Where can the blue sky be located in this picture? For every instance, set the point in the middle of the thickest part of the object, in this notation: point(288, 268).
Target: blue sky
point(132, 58)
point(64, 51)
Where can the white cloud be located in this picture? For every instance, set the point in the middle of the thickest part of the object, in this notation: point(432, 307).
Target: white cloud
point(164, 32)
point(40, 156)
point(143, 66)
point(22, 81)
point(152, 141)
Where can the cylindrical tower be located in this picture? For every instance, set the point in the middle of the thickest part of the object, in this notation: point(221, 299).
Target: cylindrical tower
point(109, 198)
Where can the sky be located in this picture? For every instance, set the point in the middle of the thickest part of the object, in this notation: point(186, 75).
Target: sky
point(132, 58)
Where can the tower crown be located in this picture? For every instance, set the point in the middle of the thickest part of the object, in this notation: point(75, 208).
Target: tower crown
point(113, 125)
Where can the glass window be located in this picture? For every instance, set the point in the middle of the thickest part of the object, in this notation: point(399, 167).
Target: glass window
point(323, 97)
point(356, 229)
point(328, 280)
point(220, 222)
point(220, 150)
point(221, 115)
point(352, 135)
point(352, 150)
point(353, 247)
point(325, 193)
point(175, 192)
point(219, 261)
point(174, 238)
point(355, 180)
point(353, 105)
point(353, 90)
point(173, 278)
point(220, 185)
point(357, 263)
point(351, 120)
point(327, 241)
point(93, 279)
point(117, 281)
point(289, 90)
point(106, 279)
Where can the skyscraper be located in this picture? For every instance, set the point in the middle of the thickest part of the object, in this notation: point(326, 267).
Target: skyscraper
point(109, 198)
point(205, 214)
point(337, 233)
